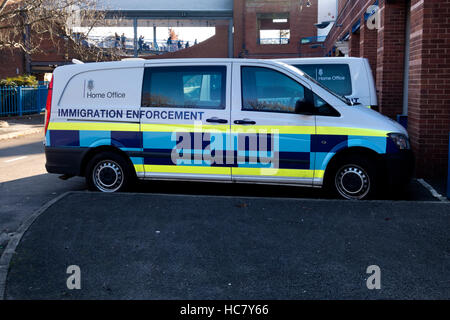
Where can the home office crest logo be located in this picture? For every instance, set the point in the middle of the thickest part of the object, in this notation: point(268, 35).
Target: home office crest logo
point(320, 72)
point(90, 85)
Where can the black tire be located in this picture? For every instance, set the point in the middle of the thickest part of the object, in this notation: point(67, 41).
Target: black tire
point(353, 177)
point(108, 172)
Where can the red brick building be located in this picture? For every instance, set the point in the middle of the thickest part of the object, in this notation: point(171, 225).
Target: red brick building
point(410, 57)
point(16, 62)
point(250, 17)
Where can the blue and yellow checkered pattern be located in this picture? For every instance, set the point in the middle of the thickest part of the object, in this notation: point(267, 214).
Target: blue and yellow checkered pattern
point(302, 152)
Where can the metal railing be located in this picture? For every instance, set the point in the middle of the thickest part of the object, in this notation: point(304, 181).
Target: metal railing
point(273, 40)
point(22, 100)
point(146, 45)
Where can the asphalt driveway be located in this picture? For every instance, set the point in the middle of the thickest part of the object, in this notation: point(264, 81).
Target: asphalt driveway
point(146, 246)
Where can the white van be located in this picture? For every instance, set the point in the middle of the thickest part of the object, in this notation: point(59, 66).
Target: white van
point(347, 76)
point(224, 120)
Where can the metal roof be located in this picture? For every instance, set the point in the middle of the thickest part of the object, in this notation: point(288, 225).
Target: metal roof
point(170, 9)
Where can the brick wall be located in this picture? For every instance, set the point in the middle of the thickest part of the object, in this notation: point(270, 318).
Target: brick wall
point(368, 46)
point(246, 28)
point(390, 53)
point(429, 85)
point(341, 4)
point(354, 44)
point(10, 62)
point(214, 47)
point(349, 13)
point(52, 51)
point(245, 38)
point(429, 69)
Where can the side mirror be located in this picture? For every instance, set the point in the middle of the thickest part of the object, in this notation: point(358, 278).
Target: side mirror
point(304, 107)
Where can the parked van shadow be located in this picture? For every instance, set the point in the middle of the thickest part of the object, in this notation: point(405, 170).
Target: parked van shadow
point(21, 150)
point(227, 189)
point(414, 191)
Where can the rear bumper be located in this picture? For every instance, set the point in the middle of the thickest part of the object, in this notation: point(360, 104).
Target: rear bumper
point(399, 167)
point(64, 160)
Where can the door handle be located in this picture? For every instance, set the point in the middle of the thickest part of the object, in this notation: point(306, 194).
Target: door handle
point(244, 122)
point(217, 120)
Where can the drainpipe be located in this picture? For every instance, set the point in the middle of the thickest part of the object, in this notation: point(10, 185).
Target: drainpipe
point(135, 37)
point(406, 59)
point(230, 38)
point(154, 37)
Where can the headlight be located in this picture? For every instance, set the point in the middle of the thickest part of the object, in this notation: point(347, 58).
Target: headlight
point(401, 140)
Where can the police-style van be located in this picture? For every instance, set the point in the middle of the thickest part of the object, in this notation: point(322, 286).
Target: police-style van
point(224, 120)
point(350, 77)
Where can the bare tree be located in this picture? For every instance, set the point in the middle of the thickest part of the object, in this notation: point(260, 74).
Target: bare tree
point(30, 25)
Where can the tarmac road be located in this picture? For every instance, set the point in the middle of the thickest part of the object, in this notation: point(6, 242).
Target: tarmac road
point(25, 185)
point(145, 246)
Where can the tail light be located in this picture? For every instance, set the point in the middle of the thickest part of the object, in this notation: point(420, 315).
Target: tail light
point(48, 105)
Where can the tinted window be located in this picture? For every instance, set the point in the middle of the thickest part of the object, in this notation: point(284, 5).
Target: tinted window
point(269, 90)
point(323, 108)
point(184, 87)
point(335, 77)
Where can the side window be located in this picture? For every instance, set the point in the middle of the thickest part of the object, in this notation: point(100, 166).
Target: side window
point(269, 90)
point(335, 77)
point(200, 87)
point(323, 108)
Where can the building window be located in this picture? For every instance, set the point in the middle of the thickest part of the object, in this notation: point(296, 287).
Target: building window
point(273, 28)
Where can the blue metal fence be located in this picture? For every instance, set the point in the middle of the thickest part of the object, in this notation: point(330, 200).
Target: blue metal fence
point(22, 100)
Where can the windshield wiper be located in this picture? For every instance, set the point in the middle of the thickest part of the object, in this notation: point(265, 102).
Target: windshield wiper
point(350, 102)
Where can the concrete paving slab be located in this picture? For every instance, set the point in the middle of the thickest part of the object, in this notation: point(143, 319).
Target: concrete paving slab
point(147, 246)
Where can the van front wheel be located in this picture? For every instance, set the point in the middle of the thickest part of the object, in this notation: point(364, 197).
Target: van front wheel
point(354, 178)
point(107, 172)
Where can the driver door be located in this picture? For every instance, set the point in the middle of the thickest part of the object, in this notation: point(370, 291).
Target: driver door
point(271, 141)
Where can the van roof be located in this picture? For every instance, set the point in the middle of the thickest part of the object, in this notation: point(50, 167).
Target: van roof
point(321, 60)
point(133, 62)
point(141, 62)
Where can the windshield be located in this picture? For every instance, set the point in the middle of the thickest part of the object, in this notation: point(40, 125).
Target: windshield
point(342, 98)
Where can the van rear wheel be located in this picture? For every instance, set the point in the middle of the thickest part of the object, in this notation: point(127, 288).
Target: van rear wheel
point(108, 172)
point(354, 178)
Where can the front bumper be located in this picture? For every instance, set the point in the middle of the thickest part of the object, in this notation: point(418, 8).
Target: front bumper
point(399, 167)
point(64, 160)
